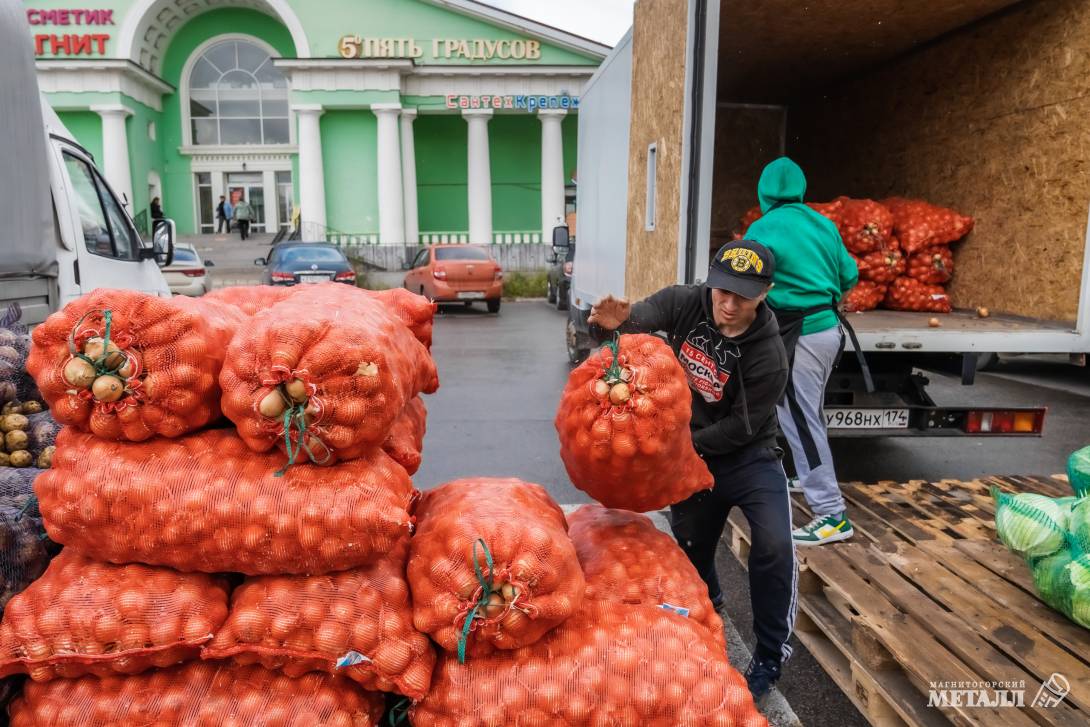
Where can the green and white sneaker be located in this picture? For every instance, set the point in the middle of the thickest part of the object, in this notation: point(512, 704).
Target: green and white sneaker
point(824, 529)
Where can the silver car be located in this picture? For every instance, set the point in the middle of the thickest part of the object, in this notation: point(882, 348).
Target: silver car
point(187, 274)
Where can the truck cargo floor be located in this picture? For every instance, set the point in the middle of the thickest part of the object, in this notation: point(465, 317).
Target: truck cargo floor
point(891, 321)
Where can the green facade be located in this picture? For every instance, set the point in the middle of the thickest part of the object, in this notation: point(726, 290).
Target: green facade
point(349, 129)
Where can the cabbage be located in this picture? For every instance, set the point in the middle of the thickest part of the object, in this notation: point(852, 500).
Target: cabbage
point(1079, 574)
point(1031, 525)
point(1052, 578)
point(1080, 522)
point(1078, 471)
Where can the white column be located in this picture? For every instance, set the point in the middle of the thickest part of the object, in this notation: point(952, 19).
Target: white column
point(480, 177)
point(408, 176)
point(391, 208)
point(552, 171)
point(311, 172)
point(115, 152)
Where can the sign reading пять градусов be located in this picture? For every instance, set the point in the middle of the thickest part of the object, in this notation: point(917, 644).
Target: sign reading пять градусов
point(469, 49)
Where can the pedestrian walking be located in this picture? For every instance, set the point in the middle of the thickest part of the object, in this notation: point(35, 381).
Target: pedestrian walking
point(223, 215)
point(813, 271)
point(156, 209)
point(729, 344)
point(243, 213)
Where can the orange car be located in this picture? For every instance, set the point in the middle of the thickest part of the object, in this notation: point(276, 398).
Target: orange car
point(457, 274)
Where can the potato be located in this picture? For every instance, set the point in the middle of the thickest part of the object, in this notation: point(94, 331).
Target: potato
point(21, 458)
point(16, 439)
point(10, 355)
point(11, 422)
point(30, 407)
point(12, 407)
point(45, 459)
point(5, 459)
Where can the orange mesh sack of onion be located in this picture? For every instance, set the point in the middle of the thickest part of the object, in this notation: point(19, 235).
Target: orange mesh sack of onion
point(623, 423)
point(126, 365)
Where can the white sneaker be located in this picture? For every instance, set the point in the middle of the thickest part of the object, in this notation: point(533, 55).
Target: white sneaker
point(794, 485)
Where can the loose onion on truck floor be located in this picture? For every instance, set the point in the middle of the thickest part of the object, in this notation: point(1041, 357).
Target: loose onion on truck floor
point(323, 375)
point(491, 565)
point(205, 502)
point(609, 664)
point(199, 694)
point(128, 366)
point(626, 559)
point(86, 617)
point(357, 623)
point(623, 422)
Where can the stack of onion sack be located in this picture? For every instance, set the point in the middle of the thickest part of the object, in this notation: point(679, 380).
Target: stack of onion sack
point(206, 503)
point(609, 664)
point(491, 565)
point(198, 695)
point(627, 560)
point(128, 366)
point(323, 374)
point(85, 617)
point(623, 423)
point(357, 622)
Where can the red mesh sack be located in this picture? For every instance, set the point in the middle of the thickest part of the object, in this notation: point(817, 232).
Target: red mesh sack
point(415, 311)
point(358, 623)
point(751, 215)
point(829, 210)
point(626, 559)
point(198, 694)
point(527, 578)
point(932, 265)
point(623, 423)
point(405, 442)
point(325, 373)
point(865, 225)
point(881, 266)
point(159, 375)
point(250, 299)
point(910, 294)
point(919, 224)
point(609, 664)
point(864, 296)
point(207, 503)
point(86, 617)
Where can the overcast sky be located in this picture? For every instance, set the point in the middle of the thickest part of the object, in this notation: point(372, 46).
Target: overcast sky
point(605, 21)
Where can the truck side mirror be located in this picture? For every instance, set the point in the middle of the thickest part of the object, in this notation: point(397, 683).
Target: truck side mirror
point(561, 240)
point(162, 242)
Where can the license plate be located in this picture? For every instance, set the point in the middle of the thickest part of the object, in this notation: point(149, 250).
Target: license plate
point(313, 278)
point(470, 295)
point(866, 418)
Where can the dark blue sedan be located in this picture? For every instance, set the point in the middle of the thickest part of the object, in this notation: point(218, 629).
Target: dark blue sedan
point(291, 263)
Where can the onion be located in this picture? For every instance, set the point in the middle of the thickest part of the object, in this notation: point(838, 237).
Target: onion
point(620, 393)
point(93, 348)
point(108, 388)
point(79, 373)
point(367, 368)
point(297, 390)
point(132, 362)
point(982, 312)
point(272, 405)
point(510, 592)
point(934, 323)
point(601, 389)
point(495, 606)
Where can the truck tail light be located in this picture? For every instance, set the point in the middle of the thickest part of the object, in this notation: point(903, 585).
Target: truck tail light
point(281, 277)
point(345, 276)
point(1005, 421)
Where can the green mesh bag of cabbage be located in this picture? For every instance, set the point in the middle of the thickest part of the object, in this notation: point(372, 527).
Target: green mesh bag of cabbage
point(1042, 530)
point(1078, 471)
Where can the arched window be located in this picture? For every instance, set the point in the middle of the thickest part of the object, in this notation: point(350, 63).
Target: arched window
point(237, 96)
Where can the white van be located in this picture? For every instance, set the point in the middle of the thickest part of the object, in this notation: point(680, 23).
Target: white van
point(63, 231)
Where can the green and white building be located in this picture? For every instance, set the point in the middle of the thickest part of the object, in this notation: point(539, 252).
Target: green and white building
point(367, 121)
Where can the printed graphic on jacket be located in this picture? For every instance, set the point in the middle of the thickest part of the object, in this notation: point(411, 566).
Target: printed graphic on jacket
point(704, 363)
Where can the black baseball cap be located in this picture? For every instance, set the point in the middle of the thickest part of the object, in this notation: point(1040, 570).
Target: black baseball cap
point(744, 267)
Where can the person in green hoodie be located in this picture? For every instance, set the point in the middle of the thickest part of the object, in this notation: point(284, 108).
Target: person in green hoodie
point(813, 271)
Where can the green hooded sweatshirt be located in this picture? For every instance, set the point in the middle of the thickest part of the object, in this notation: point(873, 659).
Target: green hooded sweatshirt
point(812, 265)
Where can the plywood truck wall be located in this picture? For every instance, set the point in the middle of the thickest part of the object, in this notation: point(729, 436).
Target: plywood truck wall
point(658, 96)
point(746, 139)
point(992, 120)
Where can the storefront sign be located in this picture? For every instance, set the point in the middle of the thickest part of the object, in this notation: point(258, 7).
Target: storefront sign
point(70, 44)
point(526, 103)
point(354, 46)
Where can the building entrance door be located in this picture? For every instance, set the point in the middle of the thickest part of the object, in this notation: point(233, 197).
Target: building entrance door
point(250, 185)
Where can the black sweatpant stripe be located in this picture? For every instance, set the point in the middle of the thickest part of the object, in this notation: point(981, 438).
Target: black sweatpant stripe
point(813, 458)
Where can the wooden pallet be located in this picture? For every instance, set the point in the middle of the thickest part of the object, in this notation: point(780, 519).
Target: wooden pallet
point(925, 593)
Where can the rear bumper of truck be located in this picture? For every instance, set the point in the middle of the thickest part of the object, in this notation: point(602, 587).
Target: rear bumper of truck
point(940, 421)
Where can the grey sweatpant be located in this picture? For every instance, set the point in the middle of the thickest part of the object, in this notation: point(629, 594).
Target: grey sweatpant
point(802, 420)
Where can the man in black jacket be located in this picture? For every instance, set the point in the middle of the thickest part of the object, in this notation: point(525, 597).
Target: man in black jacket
point(728, 342)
